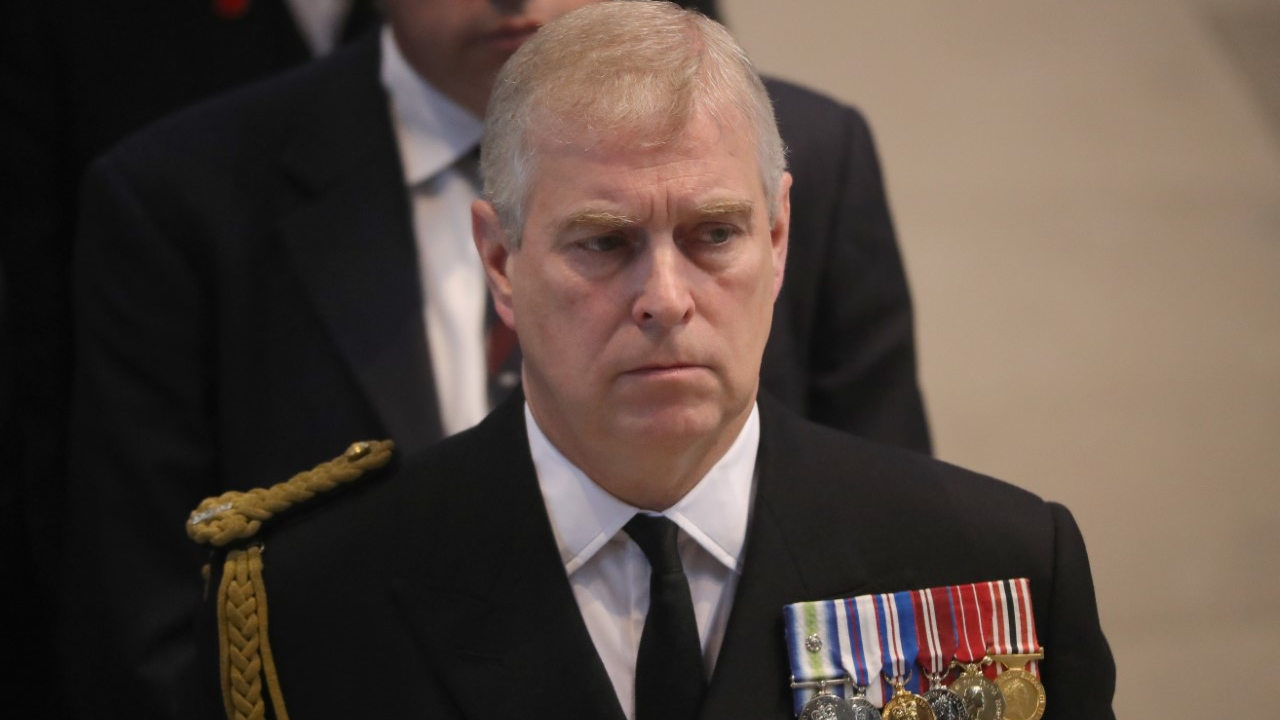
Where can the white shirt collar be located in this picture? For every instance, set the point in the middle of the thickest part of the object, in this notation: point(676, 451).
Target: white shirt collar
point(433, 131)
point(584, 516)
point(320, 22)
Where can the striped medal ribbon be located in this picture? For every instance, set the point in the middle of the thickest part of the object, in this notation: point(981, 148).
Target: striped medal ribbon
point(1014, 646)
point(828, 642)
point(983, 700)
point(899, 648)
point(936, 628)
point(864, 634)
point(1014, 622)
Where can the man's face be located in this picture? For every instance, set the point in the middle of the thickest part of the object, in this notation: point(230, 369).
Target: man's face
point(643, 290)
point(459, 45)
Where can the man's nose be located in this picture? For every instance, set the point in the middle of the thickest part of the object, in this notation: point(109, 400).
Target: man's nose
point(664, 298)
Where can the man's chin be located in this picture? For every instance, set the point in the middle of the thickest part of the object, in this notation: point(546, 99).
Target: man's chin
point(674, 424)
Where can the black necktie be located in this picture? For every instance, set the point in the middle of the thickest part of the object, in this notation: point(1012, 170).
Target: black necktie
point(670, 680)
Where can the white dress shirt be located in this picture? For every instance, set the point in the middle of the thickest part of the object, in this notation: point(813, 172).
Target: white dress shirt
point(608, 571)
point(319, 22)
point(434, 134)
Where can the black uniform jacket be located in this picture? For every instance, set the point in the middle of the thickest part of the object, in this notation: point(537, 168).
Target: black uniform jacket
point(436, 590)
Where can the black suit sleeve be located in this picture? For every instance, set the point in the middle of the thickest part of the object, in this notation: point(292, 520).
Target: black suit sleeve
point(1079, 671)
point(865, 366)
point(141, 451)
point(844, 322)
point(35, 244)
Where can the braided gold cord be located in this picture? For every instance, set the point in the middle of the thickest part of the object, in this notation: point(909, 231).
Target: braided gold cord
point(244, 649)
point(238, 637)
point(237, 515)
point(268, 659)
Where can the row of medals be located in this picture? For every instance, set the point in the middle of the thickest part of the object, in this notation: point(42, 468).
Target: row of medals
point(1015, 694)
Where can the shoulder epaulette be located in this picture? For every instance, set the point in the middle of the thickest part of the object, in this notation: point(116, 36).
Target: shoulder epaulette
point(247, 667)
point(237, 515)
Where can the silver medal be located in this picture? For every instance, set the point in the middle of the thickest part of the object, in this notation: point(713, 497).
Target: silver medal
point(826, 706)
point(863, 709)
point(982, 699)
point(946, 704)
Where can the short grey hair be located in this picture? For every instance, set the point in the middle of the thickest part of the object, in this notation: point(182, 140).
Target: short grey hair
point(635, 71)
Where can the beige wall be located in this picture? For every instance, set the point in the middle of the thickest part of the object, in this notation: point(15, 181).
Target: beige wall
point(1088, 198)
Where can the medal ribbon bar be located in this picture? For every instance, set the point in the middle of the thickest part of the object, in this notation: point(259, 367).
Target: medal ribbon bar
point(936, 626)
point(1016, 627)
point(833, 644)
point(899, 646)
point(836, 646)
point(865, 633)
point(1015, 648)
point(971, 646)
point(813, 643)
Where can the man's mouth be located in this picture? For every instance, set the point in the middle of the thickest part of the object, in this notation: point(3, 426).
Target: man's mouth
point(665, 370)
point(511, 34)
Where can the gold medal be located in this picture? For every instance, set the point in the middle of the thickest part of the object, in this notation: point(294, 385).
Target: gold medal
point(982, 698)
point(906, 705)
point(1023, 693)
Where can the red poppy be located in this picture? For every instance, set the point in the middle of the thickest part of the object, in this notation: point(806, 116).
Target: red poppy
point(230, 9)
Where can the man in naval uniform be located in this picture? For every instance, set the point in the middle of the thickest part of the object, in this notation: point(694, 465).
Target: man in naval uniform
point(619, 539)
point(266, 276)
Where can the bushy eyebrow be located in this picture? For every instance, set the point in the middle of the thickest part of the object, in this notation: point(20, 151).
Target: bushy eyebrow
point(720, 208)
point(607, 220)
point(726, 209)
point(602, 219)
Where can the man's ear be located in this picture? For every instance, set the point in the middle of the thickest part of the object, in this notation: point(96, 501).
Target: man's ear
point(779, 234)
point(495, 254)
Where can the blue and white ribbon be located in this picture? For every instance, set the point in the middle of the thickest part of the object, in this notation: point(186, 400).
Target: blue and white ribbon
point(899, 647)
point(835, 642)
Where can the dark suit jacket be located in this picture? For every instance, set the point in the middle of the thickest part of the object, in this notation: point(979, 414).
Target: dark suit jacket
point(437, 590)
point(248, 304)
point(76, 76)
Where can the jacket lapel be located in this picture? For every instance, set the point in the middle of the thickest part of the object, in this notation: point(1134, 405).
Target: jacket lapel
point(499, 617)
point(350, 238)
point(798, 548)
